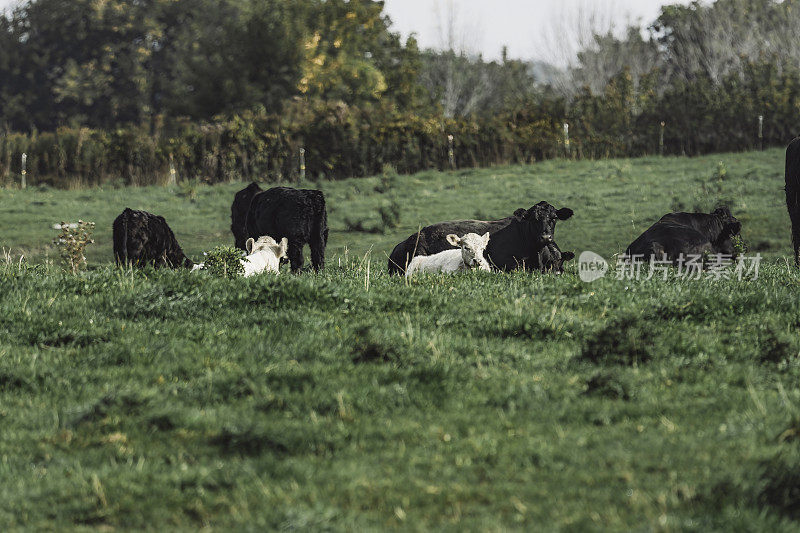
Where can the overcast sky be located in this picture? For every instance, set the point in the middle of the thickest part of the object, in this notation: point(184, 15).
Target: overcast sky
point(529, 27)
point(526, 26)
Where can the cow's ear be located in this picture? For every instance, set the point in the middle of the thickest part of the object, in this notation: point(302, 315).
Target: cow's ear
point(249, 245)
point(453, 239)
point(485, 238)
point(567, 256)
point(564, 213)
point(520, 213)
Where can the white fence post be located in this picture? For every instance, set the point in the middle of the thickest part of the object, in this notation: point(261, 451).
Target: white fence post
point(451, 154)
point(24, 182)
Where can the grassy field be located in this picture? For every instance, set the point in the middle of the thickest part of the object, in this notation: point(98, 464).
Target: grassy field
point(614, 201)
point(351, 400)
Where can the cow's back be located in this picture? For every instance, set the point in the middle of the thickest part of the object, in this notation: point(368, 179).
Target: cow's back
point(286, 212)
point(671, 239)
point(708, 225)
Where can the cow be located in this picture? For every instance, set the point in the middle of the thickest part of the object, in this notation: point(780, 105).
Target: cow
point(516, 241)
point(469, 255)
point(142, 238)
point(263, 255)
point(793, 194)
point(239, 208)
point(297, 214)
point(677, 234)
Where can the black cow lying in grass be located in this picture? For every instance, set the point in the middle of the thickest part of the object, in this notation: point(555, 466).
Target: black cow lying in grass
point(297, 214)
point(677, 234)
point(239, 209)
point(516, 241)
point(793, 193)
point(142, 238)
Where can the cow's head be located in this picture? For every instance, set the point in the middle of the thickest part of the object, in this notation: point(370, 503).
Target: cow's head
point(729, 227)
point(266, 244)
point(472, 246)
point(541, 220)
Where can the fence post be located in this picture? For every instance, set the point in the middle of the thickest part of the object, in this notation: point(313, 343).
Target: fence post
point(302, 163)
point(566, 139)
point(760, 132)
point(661, 139)
point(451, 155)
point(24, 182)
point(173, 179)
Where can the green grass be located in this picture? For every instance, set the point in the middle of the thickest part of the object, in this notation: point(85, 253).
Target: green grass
point(614, 201)
point(350, 400)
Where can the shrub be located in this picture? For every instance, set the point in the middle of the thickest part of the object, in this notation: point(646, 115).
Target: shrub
point(739, 246)
point(72, 243)
point(224, 262)
point(388, 179)
point(390, 215)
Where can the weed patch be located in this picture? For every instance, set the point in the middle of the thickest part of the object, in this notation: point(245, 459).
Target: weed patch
point(623, 341)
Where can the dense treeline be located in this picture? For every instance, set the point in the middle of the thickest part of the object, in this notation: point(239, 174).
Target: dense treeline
point(226, 89)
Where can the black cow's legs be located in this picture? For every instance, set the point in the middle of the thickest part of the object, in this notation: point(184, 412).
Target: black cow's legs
point(295, 254)
point(317, 245)
point(794, 214)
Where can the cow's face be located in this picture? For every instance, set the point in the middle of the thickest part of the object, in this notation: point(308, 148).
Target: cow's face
point(266, 244)
point(542, 219)
point(730, 227)
point(472, 247)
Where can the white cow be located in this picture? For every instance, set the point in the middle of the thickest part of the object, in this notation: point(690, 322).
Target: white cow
point(470, 255)
point(263, 255)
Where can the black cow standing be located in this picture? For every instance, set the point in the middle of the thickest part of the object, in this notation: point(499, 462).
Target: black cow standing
point(239, 209)
point(142, 238)
point(297, 214)
point(516, 241)
point(793, 193)
point(677, 234)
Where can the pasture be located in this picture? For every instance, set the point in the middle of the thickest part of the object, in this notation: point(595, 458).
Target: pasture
point(350, 399)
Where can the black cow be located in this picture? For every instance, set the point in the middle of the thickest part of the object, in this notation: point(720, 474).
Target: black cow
point(297, 214)
point(793, 193)
point(239, 208)
point(516, 241)
point(142, 238)
point(688, 234)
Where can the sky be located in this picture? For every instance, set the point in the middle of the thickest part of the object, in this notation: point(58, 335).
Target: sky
point(532, 29)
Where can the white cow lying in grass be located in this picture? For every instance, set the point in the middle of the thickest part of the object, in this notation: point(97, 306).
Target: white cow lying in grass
point(470, 255)
point(263, 255)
